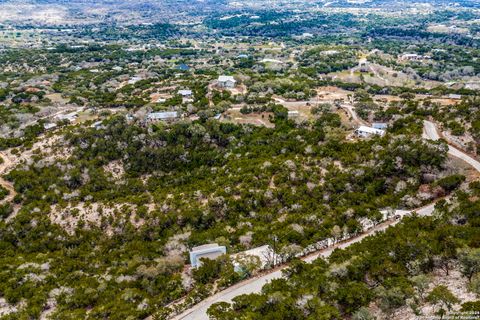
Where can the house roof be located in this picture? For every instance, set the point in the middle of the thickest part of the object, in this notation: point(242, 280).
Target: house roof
point(210, 255)
point(205, 246)
point(48, 126)
point(226, 78)
point(185, 92)
point(183, 67)
point(370, 130)
point(162, 115)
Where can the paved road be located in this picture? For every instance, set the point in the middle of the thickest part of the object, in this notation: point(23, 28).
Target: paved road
point(254, 285)
point(430, 132)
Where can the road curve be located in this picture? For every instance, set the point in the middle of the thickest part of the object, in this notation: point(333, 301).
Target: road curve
point(430, 132)
point(254, 285)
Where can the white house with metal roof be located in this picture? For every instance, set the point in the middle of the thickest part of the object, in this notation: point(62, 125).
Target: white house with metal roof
point(365, 132)
point(207, 251)
point(185, 93)
point(162, 116)
point(226, 82)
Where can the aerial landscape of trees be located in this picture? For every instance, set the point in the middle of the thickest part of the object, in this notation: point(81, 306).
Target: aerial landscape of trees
point(122, 150)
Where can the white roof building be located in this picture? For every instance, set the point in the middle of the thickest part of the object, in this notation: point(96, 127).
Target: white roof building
point(134, 80)
point(293, 114)
point(49, 126)
point(227, 81)
point(162, 116)
point(364, 131)
point(380, 125)
point(97, 125)
point(208, 251)
point(413, 56)
point(69, 116)
point(455, 96)
point(185, 93)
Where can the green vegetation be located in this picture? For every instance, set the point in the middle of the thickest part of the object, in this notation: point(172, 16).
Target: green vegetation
point(108, 201)
point(391, 269)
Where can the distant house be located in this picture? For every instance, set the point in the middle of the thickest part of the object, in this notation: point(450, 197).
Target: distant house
point(455, 96)
point(329, 52)
point(97, 125)
point(413, 57)
point(49, 126)
point(243, 56)
point(183, 67)
point(227, 82)
point(70, 117)
point(208, 251)
point(185, 93)
point(380, 125)
point(302, 36)
point(162, 116)
point(366, 132)
point(293, 114)
point(134, 80)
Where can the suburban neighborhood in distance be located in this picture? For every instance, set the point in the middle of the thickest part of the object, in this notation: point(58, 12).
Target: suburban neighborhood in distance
point(234, 160)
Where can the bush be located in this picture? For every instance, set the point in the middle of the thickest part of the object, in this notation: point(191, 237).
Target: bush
point(470, 306)
point(452, 182)
point(5, 211)
point(3, 193)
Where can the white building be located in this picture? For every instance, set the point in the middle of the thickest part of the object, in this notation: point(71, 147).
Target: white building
point(97, 125)
point(455, 96)
point(162, 116)
point(185, 93)
point(365, 132)
point(49, 126)
point(293, 114)
point(208, 251)
point(227, 82)
point(134, 80)
point(380, 125)
point(70, 117)
point(413, 57)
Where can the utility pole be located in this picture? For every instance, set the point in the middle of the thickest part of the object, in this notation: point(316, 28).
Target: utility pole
point(274, 258)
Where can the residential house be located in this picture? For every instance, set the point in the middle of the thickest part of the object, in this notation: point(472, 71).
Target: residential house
point(413, 57)
point(162, 116)
point(208, 251)
point(70, 117)
point(49, 126)
point(185, 93)
point(365, 132)
point(183, 67)
point(455, 96)
point(226, 82)
point(380, 125)
point(293, 114)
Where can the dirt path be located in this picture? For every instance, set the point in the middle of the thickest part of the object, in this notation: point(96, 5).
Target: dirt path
point(4, 167)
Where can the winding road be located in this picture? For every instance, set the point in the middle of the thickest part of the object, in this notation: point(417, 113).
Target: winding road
point(254, 285)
